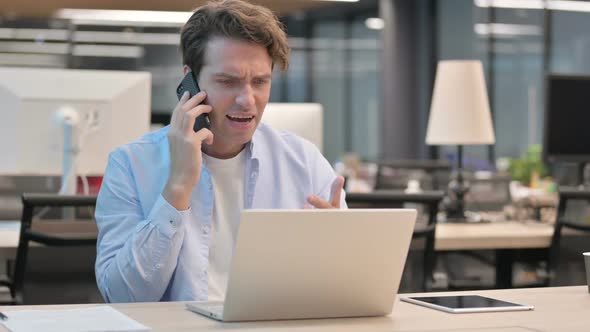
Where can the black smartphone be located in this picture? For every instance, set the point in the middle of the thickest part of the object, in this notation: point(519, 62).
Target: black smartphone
point(189, 83)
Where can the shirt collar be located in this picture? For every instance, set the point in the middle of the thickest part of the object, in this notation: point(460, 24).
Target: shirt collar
point(252, 152)
point(256, 139)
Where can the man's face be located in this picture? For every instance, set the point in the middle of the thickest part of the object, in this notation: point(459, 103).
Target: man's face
point(237, 77)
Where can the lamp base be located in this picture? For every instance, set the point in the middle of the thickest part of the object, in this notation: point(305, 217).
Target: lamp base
point(454, 203)
point(455, 208)
point(468, 217)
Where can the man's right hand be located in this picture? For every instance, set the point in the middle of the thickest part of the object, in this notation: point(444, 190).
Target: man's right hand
point(185, 150)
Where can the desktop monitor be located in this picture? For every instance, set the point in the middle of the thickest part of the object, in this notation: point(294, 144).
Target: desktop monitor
point(302, 119)
point(567, 116)
point(112, 108)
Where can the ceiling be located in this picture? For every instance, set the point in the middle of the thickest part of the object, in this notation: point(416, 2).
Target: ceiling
point(45, 8)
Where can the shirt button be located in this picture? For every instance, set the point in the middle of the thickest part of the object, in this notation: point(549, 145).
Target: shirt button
point(159, 266)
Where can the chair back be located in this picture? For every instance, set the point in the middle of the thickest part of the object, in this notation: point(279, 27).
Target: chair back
point(54, 233)
point(423, 231)
point(562, 222)
point(490, 193)
point(394, 175)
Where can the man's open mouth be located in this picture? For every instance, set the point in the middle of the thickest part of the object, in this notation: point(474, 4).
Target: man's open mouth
point(240, 118)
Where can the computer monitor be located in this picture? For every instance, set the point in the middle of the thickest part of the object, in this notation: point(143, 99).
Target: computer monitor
point(302, 119)
point(112, 108)
point(567, 116)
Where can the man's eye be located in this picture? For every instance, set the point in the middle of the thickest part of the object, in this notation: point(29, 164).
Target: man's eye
point(260, 82)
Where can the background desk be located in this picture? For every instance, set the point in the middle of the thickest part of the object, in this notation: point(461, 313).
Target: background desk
point(556, 309)
point(9, 236)
point(499, 235)
point(496, 235)
point(503, 237)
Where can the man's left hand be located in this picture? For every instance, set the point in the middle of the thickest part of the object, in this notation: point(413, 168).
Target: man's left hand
point(335, 194)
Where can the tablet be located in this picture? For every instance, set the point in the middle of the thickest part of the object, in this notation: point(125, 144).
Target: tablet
point(465, 303)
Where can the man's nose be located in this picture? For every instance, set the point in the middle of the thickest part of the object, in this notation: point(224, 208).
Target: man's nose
point(246, 97)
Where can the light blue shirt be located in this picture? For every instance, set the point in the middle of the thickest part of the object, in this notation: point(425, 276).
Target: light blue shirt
point(149, 251)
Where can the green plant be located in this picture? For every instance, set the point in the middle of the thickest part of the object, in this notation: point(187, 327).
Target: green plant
point(531, 162)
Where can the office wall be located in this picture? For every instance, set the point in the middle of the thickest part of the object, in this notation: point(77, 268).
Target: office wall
point(375, 85)
point(517, 47)
point(570, 43)
point(329, 75)
point(345, 79)
point(456, 39)
point(334, 61)
point(400, 118)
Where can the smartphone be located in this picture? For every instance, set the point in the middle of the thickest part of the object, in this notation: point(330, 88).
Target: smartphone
point(189, 83)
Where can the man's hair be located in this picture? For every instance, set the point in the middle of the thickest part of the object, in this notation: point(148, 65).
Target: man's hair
point(232, 19)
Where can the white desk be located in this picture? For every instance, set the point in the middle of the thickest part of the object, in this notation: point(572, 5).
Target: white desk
point(10, 233)
point(504, 237)
point(501, 235)
point(556, 309)
point(9, 236)
point(495, 235)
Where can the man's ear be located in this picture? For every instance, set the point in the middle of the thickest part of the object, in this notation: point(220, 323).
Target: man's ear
point(185, 69)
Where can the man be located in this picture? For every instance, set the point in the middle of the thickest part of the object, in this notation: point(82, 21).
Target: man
point(169, 206)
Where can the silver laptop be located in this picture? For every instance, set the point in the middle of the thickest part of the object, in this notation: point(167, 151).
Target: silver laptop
point(297, 264)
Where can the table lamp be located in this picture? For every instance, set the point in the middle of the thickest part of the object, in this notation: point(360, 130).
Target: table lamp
point(459, 115)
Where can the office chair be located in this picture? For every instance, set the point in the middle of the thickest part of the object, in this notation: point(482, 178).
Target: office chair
point(68, 233)
point(426, 232)
point(490, 193)
point(394, 175)
point(562, 223)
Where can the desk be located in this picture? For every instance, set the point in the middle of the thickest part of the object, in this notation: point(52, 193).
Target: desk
point(9, 236)
point(556, 309)
point(496, 235)
point(10, 233)
point(504, 237)
point(501, 235)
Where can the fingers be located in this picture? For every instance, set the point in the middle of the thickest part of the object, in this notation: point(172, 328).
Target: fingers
point(188, 121)
point(318, 202)
point(335, 195)
point(185, 105)
point(194, 101)
point(336, 191)
point(205, 135)
point(178, 110)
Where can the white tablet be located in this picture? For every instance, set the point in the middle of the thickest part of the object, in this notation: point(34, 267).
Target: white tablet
point(465, 303)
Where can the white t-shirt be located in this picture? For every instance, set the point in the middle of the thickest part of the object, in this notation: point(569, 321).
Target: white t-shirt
point(228, 188)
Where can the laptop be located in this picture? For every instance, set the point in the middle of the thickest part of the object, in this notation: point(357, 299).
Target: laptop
point(301, 264)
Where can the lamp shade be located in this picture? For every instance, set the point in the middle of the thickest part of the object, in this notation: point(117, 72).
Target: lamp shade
point(460, 110)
